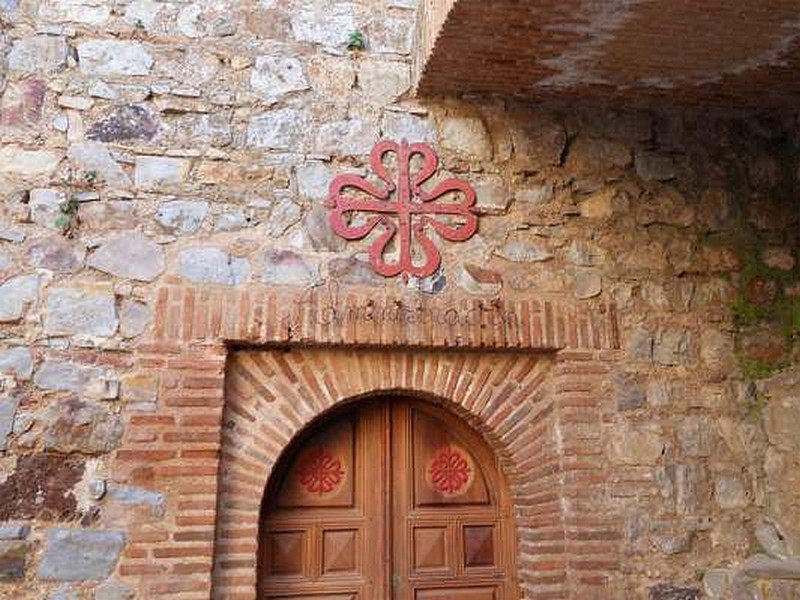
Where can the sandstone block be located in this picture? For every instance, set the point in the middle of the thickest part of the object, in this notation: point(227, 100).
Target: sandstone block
point(349, 137)
point(761, 566)
point(38, 54)
point(76, 426)
point(283, 214)
point(492, 193)
point(667, 591)
point(89, 382)
point(730, 492)
point(384, 81)
point(539, 142)
point(276, 76)
point(212, 265)
point(313, 180)
point(94, 157)
point(56, 254)
point(399, 125)
point(467, 137)
point(521, 251)
point(354, 271)
point(283, 129)
point(155, 171)
point(14, 531)
point(113, 57)
point(182, 216)
point(284, 267)
point(13, 556)
point(635, 445)
point(87, 12)
point(232, 221)
point(45, 206)
point(588, 284)
point(80, 555)
point(16, 361)
point(8, 409)
point(28, 164)
point(131, 255)
point(590, 155)
point(389, 35)
point(126, 122)
point(655, 166)
point(16, 294)
point(73, 311)
point(326, 23)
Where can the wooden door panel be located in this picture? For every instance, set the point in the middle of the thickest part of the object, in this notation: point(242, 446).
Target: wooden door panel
point(321, 475)
point(479, 546)
point(450, 541)
point(287, 553)
point(323, 535)
point(340, 551)
point(445, 472)
point(353, 596)
point(460, 593)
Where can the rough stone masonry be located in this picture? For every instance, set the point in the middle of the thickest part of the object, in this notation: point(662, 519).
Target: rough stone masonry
point(150, 143)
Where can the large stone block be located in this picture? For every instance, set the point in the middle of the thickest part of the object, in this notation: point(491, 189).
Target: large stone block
point(87, 12)
point(38, 54)
point(351, 137)
point(74, 311)
point(94, 158)
point(56, 254)
point(284, 267)
point(16, 294)
point(276, 76)
point(467, 137)
point(28, 164)
point(538, 141)
point(155, 171)
point(212, 265)
point(16, 361)
point(131, 255)
point(8, 410)
point(13, 555)
point(384, 81)
point(321, 22)
point(399, 125)
point(636, 445)
point(124, 123)
point(182, 216)
point(76, 426)
point(80, 555)
point(113, 57)
point(90, 382)
point(283, 129)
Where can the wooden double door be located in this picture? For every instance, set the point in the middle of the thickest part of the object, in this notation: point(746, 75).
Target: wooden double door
point(392, 499)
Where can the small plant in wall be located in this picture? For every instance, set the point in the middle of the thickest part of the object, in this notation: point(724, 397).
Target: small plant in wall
point(355, 41)
point(68, 219)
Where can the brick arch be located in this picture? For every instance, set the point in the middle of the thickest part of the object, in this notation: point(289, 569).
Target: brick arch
point(272, 395)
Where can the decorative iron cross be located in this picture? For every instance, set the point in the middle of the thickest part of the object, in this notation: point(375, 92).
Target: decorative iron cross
point(408, 214)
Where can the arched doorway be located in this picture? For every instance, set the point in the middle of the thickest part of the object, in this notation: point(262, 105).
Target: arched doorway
point(387, 499)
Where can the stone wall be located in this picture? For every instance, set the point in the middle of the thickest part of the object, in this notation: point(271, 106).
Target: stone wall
point(149, 145)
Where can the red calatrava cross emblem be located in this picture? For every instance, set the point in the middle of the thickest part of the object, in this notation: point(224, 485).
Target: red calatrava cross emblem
point(320, 472)
point(406, 211)
point(449, 471)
